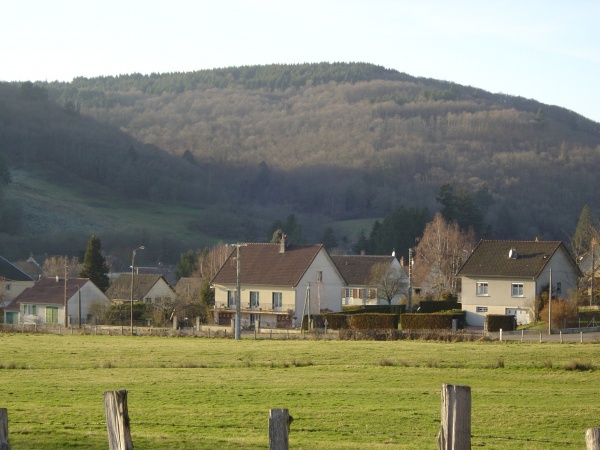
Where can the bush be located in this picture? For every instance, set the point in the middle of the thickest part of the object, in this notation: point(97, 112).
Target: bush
point(369, 321)
point(437, 321)
point(432, 306)
point(495, 322)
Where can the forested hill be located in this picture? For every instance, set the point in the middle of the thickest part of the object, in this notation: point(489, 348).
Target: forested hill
point(327, 142)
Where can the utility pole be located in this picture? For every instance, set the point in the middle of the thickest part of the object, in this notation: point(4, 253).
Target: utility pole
point(238, 294)
point(410, 284)
point(550, 304)
point(66, 311)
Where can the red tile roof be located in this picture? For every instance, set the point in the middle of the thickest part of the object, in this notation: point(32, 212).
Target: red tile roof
point(263, 264)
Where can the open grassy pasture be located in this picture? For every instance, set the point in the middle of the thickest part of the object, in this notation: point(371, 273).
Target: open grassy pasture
point(194, 393)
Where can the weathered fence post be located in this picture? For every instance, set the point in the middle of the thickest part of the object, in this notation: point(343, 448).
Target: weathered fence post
point(4, 444)
point(455, 431)
point(117, 420)
point(279, 429)
point(592, 439)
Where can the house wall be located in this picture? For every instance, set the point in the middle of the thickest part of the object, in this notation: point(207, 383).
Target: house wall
point(498, 300)
point(11, 289)
point(90, 295)
point(324, 293)
point(161, 289)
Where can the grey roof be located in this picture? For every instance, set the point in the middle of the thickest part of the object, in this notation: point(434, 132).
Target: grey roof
point(8, 271)
point(48, 291)
point(491, 258)
point(356, 269)
point(120, 289)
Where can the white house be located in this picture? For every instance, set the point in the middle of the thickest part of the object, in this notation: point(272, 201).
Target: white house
point(361, 288)
point(279, 283)
point(147, 288)
point(13, 281)
point(505, 277)
point(44, 302)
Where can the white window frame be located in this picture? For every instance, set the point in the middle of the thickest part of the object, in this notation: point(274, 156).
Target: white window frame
point(231, 299)
point(481, 309)
point(482, 289)
point(516, 290)
point(277, 300)
point(254, 299)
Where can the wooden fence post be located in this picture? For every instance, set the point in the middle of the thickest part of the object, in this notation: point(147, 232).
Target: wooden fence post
point(117, 420)
point(455, 431)
point(592, 439)
point(279, 428)
point(4, 444)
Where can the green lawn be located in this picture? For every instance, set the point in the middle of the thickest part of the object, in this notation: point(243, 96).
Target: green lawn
point(190, 393)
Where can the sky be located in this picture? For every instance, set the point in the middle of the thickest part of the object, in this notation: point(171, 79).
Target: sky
point(547, 50)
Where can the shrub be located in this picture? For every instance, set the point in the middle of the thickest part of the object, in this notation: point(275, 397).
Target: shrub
point(369, 321)
point(579, 365)
point(435, 321)
point(495, 322)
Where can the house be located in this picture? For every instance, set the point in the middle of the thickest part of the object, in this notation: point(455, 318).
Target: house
point(361, 289)
point(31, 267)
point(44, 302)
point(13, 281)
point(279, 284)
point(505, 277)
point(189, 288)
point(147, 288)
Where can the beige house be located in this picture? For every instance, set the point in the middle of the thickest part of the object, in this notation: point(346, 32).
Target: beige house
point(13, 281)
point(147, 288)
point(279, 283)
point(360, 287)
point(505, 277)
point(44, 303)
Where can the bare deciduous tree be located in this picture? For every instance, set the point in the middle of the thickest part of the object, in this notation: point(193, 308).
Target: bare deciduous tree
point(443, 248)
point(209, 262)
point(54, 266)
point(388, 281)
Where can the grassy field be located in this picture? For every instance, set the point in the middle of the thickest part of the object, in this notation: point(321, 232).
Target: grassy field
point(193, 393)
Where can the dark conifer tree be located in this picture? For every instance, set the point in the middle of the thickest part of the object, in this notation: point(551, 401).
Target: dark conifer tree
point(94, 264)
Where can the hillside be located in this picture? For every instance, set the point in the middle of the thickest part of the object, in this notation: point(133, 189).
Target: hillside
point(328, 142)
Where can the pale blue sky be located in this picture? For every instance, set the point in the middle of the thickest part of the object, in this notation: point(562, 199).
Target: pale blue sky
point(546, 50)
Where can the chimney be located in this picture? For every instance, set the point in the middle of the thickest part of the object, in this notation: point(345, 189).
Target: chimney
point(282, 244)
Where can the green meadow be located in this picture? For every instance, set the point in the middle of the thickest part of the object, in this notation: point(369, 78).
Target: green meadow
point(196, 393)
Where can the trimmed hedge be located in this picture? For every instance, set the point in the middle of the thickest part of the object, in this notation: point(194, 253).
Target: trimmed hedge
point(431, 321)
point(495, 322)
point(373, 321)
point(433, 306)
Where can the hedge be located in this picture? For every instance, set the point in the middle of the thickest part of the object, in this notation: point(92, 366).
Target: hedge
point(433, 306)
point(431, 321)
point(495, 322)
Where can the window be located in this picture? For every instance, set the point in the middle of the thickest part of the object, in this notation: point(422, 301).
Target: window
point(517, 290)
point(347, 292)
point(230, 299)
point(8, 287)
point(481, 309)
point(482, 288)
point(29, 310)
point(148, 300)
point(277, 303)
point(254, 299)
point(319, 276)
point(51, 314)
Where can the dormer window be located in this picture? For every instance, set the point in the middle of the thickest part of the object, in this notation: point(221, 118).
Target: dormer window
point(512, 253)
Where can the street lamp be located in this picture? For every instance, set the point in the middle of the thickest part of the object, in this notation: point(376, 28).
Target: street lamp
point(131, 292)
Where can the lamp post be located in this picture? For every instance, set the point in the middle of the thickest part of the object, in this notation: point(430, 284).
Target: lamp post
point(131, 291)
